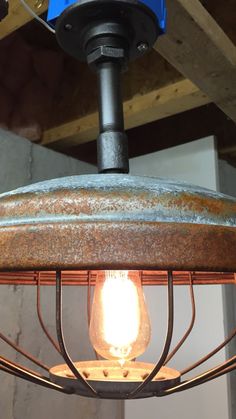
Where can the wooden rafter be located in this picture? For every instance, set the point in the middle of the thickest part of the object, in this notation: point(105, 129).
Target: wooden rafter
point(199, 49)
point(18, 16)
point(194, 44)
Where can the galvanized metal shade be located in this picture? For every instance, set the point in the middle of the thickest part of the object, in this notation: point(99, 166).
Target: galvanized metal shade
point(84, 224)
point(117, 221)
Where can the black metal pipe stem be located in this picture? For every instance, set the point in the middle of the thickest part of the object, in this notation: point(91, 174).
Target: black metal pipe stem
point(112, 144)
point(110, 98)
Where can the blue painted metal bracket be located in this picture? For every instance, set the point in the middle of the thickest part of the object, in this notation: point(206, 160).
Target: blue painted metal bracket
point(160, 10)
point(56, 7)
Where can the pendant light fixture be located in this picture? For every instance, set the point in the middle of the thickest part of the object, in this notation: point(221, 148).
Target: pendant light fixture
point(115, 233)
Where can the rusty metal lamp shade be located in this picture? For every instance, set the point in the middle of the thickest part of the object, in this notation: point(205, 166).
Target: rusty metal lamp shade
point(66, 231)
point(117, 222)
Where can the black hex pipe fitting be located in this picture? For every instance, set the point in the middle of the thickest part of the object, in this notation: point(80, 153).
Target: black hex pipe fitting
point(108, 34)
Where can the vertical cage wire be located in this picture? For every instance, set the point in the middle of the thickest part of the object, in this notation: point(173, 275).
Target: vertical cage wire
point(61, 340)
point(168, 339)
point(190, 328)
point(39, 313)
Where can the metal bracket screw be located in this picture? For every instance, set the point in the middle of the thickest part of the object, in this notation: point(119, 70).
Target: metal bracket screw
point(142, 47)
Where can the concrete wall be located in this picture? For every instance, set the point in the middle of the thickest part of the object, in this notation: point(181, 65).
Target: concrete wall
point(195, 163)
point(227, 180)
point(21, 163)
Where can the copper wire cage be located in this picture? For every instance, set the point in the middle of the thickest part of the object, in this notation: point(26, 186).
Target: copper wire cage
point(63, 232)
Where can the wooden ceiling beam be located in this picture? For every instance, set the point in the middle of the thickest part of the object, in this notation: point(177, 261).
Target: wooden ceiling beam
point(18, 15)
point(194, 44)
point(224, 14)
point(199, 49)
point(157, 104)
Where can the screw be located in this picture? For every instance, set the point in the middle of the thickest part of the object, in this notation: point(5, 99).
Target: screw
point(142, 47)
point(68, 27)
point(38, 4)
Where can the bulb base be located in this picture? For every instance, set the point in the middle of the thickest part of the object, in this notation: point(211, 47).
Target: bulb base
point(111, 381)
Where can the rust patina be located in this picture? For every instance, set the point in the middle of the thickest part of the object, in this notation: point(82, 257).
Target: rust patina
point(117, 222)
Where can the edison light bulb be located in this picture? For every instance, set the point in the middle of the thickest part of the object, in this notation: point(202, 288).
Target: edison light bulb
point(120, 326)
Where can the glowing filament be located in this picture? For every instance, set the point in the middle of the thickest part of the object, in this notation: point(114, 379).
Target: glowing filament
point(120, 327)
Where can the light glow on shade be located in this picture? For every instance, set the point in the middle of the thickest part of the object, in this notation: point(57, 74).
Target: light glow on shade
point(120, 326)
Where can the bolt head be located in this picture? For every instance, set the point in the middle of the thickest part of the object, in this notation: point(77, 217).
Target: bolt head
point(104, 52)
point(68, 27)
point(142, 47)
point(38, 4)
